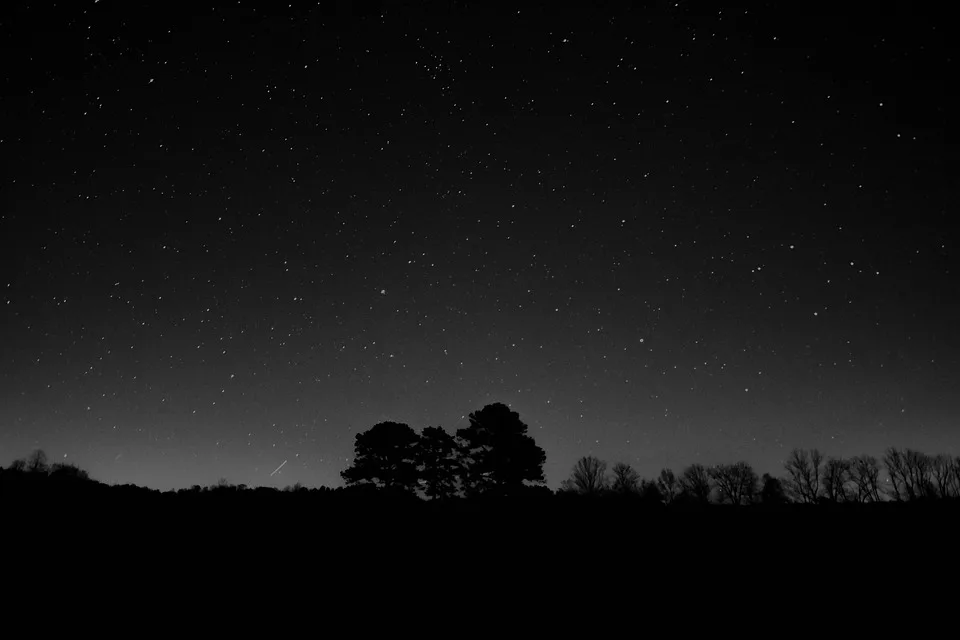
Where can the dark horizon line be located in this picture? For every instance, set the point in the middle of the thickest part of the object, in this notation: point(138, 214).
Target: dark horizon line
point(545, 484)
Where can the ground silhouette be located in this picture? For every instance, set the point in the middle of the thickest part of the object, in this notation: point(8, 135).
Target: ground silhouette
point(417, 520)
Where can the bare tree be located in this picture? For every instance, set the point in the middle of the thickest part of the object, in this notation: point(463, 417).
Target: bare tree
point(669, 485)
point(589, 475)
point(37, 462)
point(625, 478)
point(893, 460)
point(909, 473)
point(955, 478)
point(941, 468)
point(919, 472)
point(736, 483)
point(865, 475)
point(695, 483)
point(804, 475)
point(836, 480)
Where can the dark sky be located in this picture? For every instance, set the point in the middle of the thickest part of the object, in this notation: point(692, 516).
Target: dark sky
point(663, 233)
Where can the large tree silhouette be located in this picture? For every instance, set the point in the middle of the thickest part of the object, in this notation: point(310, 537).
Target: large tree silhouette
point(385, 456)
point(497, 452)
point(626, 480)
point(736, 483)
point(37, 462)
point(695, 484)
point(919, 468)
point(650, 492)
point(804, 475)
point(669, 485)
point(771, 491)
point(954, 482)
point(944, 475)
point(865, 475)
point(836, 480)
point(439, 463)
point(909, 473)
point(589, 476)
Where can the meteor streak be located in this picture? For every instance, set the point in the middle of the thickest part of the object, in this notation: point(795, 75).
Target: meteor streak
point(278, 468)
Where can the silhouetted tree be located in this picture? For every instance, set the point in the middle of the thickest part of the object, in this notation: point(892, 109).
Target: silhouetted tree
point(18, 466)
point(772, 491)
point(37, 462)
point(650, 492)
point(625, 478)
point(589, 476)
point(439, 463)
point(736, 483)
point(68, 471)
point(908, 474)
point(804, 475)
point(893, 461)
point(497, 452)
point(386, 457)
point(941, 470)
point(695, 483)
point(865, 475)
point(919, 467)
point(955, 478)
point(836, 478)
point(668, 484)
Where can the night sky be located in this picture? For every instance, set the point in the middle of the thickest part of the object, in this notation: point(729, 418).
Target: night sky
point(664, 233)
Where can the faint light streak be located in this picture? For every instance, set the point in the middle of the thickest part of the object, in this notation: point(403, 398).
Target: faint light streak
point(278, 468)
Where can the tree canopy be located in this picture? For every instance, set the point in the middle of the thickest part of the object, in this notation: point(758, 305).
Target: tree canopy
point(498, 453)
point(438, 463)
point(385, 456)
point(494, 452)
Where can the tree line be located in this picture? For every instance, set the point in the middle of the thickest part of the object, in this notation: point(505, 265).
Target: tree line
point(36, 465)
point(495, 455)
point(809, 478)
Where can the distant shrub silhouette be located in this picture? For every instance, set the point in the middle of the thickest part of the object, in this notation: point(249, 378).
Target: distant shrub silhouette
point(68, 471)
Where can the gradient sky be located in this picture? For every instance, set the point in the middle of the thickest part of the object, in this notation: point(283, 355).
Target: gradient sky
point(663, 235)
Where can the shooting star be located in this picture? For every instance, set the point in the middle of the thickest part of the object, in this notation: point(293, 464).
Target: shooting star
point(278, 468)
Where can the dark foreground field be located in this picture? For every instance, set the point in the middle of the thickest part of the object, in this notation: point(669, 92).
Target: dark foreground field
point(358, 553)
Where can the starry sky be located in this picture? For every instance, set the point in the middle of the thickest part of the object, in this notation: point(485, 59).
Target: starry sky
point(664, 233)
